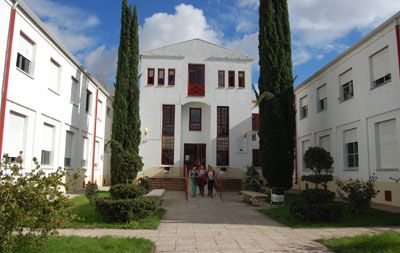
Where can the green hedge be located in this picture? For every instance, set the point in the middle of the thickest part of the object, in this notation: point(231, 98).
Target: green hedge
point(126, 191)
point(125, 210)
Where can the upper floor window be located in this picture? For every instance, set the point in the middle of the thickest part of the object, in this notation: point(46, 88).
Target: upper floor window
point(171, 76)
point(231, 78)
point(241, 79)
point(221, 78)
point(346, 85)
point(161, 76)
point(380, 68)
point(350, 148)
point(303, 107)
point(168, 128)
point(222, 121)
point(109, 112)
point(25, 55)
point(74, 91)
point(150, 76)
point(254, 121)
point(88, 106)
point(195, 119)
point(196, 74)
point(322, 98)
point(55, 75)
point(100, 110)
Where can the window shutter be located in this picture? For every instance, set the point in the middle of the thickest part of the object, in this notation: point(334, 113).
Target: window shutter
point(16, 137)
point(322, 92)
point(68, 144)
point(380, 64)
point(54, 72)
point(25, 48)
point(346, 77)
point(350, 136)
point(387, 145)
point(324, 142)
point(304, 101)
point(48, 137)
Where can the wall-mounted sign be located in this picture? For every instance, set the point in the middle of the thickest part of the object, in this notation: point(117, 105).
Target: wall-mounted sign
point(241, 145)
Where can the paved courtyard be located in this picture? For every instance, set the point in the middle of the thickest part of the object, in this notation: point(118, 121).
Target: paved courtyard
point(227, 225)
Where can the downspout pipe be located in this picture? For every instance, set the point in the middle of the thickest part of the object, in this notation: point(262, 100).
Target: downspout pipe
point(398, 41)
point(6, 76)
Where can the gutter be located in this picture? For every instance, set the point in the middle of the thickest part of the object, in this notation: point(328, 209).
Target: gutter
point(95, 134)
point(6, 78)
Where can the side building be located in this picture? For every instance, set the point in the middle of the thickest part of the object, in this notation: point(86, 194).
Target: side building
point(351, 107)
point(52, 109)
point(195, 105)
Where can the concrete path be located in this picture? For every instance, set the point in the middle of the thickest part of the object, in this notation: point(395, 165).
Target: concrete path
point(206, 224)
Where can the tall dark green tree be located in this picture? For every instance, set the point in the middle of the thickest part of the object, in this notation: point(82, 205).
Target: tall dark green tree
point(276, 99)
point(125, 161)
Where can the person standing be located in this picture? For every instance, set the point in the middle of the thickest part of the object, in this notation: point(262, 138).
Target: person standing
point(201, 179)
point(193, 174)
point(210, 180)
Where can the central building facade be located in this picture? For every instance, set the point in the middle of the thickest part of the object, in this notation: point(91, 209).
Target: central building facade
point(195, 105)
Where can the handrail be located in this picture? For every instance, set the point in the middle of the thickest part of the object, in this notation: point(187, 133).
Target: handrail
point(185, 173)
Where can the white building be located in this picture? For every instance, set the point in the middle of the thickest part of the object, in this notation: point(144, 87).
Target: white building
point(52, 108)
point(195, 104)
point(351, 107)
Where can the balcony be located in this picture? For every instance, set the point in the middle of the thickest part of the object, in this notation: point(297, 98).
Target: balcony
point(196, 90)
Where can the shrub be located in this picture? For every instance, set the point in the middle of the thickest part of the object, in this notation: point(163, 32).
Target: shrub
point(317, 212)
point(125, 210)
point(319, 161)
point(357, 193)
point(32, 204)
point(144, 182)
point(91, 192)
point(252, 181)
point(315, 196)
point(126, 191)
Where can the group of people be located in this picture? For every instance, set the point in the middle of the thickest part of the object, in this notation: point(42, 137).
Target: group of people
point(200, 177)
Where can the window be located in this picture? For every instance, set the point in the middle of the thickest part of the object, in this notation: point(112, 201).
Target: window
point(196, 74)
point(150, 76)
point(100, 110)
point(74, 91)
point(84, 160)
point(195, 119)
point(171, 76)
point(222, 136)
point(231, 78)
point(256, 158)
point(322, 98)
point(109, 112)
point(16, 139)
point(55, 74)
point(255, 121)
point(303, 107)
point(241, 79)
point(25, 54)
point(88, 106)
point(161, 76)
point(47, 145)
point(386, 144)
point(221, 78)
point(168, 131)
point(380, 68)
point(304, 147)
point(69, 137)
point(351, 149)
point(325, 142)
point(346, 85)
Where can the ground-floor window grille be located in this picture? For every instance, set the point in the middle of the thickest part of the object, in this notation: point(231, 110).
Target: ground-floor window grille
point(223, 151)
point(168, 139)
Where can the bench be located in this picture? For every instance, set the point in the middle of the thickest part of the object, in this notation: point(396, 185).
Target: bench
point(255, 198)
point(157, 194)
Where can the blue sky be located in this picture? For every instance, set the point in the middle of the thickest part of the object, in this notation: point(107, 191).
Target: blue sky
point(320, 29)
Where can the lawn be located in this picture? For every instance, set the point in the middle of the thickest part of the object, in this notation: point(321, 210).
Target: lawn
point(87, 217)
point(107, 244)
point(371, 217)
point(388, 242)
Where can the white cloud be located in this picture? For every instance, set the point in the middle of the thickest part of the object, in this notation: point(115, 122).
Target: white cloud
point(102, 63)
point(186, 23)
point(247, 45)
point(70, 24)
point(248, 3)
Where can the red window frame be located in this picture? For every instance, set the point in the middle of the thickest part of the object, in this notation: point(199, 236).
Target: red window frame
point(194, 126)
point(221, 85)
point(168, 131)
point(222, 134)
point(231, 78)
point(255, 121)
point(171, 78)
point(256, 160)
point(194, 68)
point(150, 80)
point(241, 80)
point(161, 81)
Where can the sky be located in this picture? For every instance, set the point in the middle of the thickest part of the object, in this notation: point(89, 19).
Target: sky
point(320, 29)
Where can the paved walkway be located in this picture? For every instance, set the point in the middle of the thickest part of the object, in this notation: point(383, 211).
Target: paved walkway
point(227, 225)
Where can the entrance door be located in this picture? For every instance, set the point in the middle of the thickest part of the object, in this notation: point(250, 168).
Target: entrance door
point(194, 153)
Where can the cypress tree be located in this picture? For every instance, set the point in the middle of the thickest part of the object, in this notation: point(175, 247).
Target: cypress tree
point(276, 108)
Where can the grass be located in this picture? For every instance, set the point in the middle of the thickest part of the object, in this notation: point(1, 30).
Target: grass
point(87, 217)
point(388, 242)
point(371, 217)
point(107, 244)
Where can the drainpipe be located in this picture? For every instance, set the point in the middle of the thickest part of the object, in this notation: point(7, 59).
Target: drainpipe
point(398, 40)
point(94, 133)
point(7, 72)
